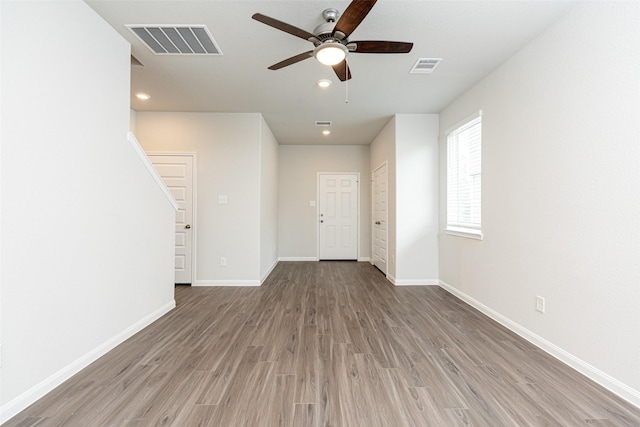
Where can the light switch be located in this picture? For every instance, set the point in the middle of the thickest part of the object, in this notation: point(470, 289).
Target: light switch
point(222, 199)
point(312, 202)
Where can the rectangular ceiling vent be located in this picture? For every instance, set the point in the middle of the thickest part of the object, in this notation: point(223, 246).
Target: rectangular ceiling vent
point(177, 39)
point(425, 65)
point(323, 123)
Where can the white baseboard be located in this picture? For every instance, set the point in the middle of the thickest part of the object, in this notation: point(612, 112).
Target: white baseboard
point(226, 283)
point(236, 282)
point(624, 391)
point(416, 282)
point(13, 407)
point(264, 277)
point(311, 258)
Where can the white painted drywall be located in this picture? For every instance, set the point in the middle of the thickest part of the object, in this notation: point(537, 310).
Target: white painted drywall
point(87, 235)
point(416, 147)
point(132, 121)
point(268, 200)
point(409, 144)
point(1, 222)
point(298, 185)
point(383, 149)
point(229, 164)
point(561, 199)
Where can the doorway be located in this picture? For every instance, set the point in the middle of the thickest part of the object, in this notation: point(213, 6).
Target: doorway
point(178, 173)
point(380, 218)
point(338, 216)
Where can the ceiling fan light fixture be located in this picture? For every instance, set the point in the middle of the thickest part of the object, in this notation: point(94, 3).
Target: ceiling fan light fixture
point(330, 53)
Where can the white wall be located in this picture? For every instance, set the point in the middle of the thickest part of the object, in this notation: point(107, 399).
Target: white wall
point(132, 121)
point(298, 185)
point(383, 149)
point(1, 221)
point(229, 149)
point(409, 145)
point(416, 146)
point(268, 200)
point(561, 199)
point(87, 235)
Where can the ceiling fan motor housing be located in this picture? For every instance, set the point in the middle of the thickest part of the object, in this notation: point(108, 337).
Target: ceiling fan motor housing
point(324, 31)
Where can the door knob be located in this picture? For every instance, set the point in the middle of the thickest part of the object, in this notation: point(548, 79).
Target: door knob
point(187, 226)
point(322, 220)
point(378, 222)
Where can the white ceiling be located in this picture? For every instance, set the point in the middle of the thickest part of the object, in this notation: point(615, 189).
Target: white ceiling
point(472, 37)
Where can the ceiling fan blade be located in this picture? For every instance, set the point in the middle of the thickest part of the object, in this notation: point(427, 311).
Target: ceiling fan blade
point(283, 26)
point(353, 16)
point(376, 46)
point(342, 70)
point(292, 60)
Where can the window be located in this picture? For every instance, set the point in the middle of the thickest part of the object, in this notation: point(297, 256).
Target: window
point(464, 175)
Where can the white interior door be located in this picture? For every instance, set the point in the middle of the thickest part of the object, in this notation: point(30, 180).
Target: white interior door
point(380, 222)
point(338, 216)
point(177, 172)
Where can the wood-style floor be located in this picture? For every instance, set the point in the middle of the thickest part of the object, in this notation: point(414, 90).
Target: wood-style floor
point(326, 344)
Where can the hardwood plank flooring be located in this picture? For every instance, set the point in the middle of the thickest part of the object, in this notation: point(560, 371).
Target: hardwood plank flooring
point(326, 344)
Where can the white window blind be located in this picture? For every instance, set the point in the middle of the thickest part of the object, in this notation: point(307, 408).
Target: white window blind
point(464, 178)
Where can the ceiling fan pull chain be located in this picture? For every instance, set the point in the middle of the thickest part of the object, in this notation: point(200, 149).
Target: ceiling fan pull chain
point(346, 82)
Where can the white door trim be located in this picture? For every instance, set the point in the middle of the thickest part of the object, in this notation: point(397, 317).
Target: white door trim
point(357, 175)
point(194, 157)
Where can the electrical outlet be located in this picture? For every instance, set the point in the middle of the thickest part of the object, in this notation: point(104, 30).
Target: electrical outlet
point(540, 304)
point(223, 261)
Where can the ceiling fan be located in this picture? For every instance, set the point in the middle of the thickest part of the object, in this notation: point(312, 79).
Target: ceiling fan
point(331, 39)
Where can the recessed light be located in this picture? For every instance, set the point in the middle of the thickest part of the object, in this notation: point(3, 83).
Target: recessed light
point(324, 83)
point(326, 132)
point(143, 96)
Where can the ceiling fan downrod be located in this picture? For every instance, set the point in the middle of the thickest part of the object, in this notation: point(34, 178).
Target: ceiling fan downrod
point(330, 15)
point(324, 31)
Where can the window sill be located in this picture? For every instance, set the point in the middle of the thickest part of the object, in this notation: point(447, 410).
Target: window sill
point(469, 233)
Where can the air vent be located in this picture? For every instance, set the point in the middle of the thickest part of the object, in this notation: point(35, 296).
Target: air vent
point(177, 40)
point(425, 65)
point(323, 123)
